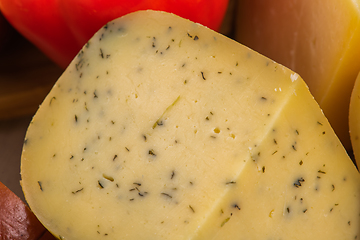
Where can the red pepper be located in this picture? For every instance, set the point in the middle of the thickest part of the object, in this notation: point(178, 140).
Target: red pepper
point(61, 27)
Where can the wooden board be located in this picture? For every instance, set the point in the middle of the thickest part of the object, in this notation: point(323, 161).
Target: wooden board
point(26, 76)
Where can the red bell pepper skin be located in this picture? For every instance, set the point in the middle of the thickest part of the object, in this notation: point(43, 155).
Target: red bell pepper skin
point(60, 28)
point(42, 23)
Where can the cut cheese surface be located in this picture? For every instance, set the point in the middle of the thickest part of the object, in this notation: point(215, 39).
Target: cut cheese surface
point(317, 39)
point(163, 129)
point(354, 120)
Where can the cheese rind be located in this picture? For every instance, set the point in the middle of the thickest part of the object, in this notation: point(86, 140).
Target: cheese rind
point(354, 120)
point(163, 129)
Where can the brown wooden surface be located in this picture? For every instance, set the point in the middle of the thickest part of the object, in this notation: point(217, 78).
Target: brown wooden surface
point(26, 76)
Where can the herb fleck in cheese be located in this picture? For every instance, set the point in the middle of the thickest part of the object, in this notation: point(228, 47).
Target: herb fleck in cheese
point(163, 129)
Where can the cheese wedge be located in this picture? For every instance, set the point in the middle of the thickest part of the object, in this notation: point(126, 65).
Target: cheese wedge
point(163, 129)
point(354, 120)
point(317, 39)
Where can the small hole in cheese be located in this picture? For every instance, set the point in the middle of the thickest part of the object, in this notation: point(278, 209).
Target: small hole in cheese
point(216, 130)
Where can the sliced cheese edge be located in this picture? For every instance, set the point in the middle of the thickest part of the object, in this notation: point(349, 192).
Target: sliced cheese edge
point(354, 120)
point(163, 129)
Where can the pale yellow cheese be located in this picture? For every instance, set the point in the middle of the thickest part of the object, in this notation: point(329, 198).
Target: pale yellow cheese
point(318, 39)
point(164, 129)
point(354, 120)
